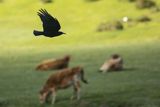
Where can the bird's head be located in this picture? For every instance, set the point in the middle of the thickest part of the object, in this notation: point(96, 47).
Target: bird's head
point(61, 33)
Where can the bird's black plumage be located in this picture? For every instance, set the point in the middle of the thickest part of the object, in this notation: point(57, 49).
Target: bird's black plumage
point(51, 25)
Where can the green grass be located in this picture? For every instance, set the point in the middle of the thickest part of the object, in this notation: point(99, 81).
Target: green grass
point(136, 86)
point(79, 20)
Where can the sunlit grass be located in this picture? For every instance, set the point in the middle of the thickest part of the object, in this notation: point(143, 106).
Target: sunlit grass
point(79, 19)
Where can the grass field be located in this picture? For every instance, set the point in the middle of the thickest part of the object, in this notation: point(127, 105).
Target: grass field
point(136, 86)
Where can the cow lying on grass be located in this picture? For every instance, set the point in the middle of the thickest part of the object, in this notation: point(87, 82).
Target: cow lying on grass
point(115, 63)
point(54, 63)
point(61, 80)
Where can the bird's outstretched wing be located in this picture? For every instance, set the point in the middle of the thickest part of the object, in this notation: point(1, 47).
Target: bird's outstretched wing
point(50, 23)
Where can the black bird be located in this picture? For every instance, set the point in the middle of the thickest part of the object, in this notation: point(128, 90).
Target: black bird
point(51, 25)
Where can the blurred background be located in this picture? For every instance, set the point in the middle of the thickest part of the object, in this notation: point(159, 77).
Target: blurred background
point(80, 19)
point(94, 29)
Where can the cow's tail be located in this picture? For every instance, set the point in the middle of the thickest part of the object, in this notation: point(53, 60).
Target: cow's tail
point(82, 77)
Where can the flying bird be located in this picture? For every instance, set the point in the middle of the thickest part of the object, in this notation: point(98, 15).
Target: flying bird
point(51, 26)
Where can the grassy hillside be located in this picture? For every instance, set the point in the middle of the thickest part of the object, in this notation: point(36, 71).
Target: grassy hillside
point(79, 20)
point(136, 86)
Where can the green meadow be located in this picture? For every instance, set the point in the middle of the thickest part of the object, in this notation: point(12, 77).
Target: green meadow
point(138, 85)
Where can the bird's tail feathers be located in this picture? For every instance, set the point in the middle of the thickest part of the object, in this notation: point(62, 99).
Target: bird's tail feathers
point(37, 33)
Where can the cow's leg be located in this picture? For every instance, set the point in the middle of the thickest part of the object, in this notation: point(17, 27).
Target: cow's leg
point(76, 93)
point(43, 97)
point(48, 98)
point(53, 96)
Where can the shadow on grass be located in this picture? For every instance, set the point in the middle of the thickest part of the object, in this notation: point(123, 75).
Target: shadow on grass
point(3, 102)
point(129, 69)
point(123, 70)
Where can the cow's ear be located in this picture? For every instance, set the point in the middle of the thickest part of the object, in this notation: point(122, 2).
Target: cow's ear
point(67, 57)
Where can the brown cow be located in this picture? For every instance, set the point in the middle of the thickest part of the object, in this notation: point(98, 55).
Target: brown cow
point(114, 63)
point(54, 63)
point(61, 80)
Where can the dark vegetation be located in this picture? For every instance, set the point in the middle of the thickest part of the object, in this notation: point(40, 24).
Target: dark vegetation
point(111, 26)
point(46, 1)
point(92, 0)
point(144, 19)
point(141, 4)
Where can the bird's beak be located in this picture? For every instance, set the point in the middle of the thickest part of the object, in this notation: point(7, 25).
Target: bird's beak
point(64, 33)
